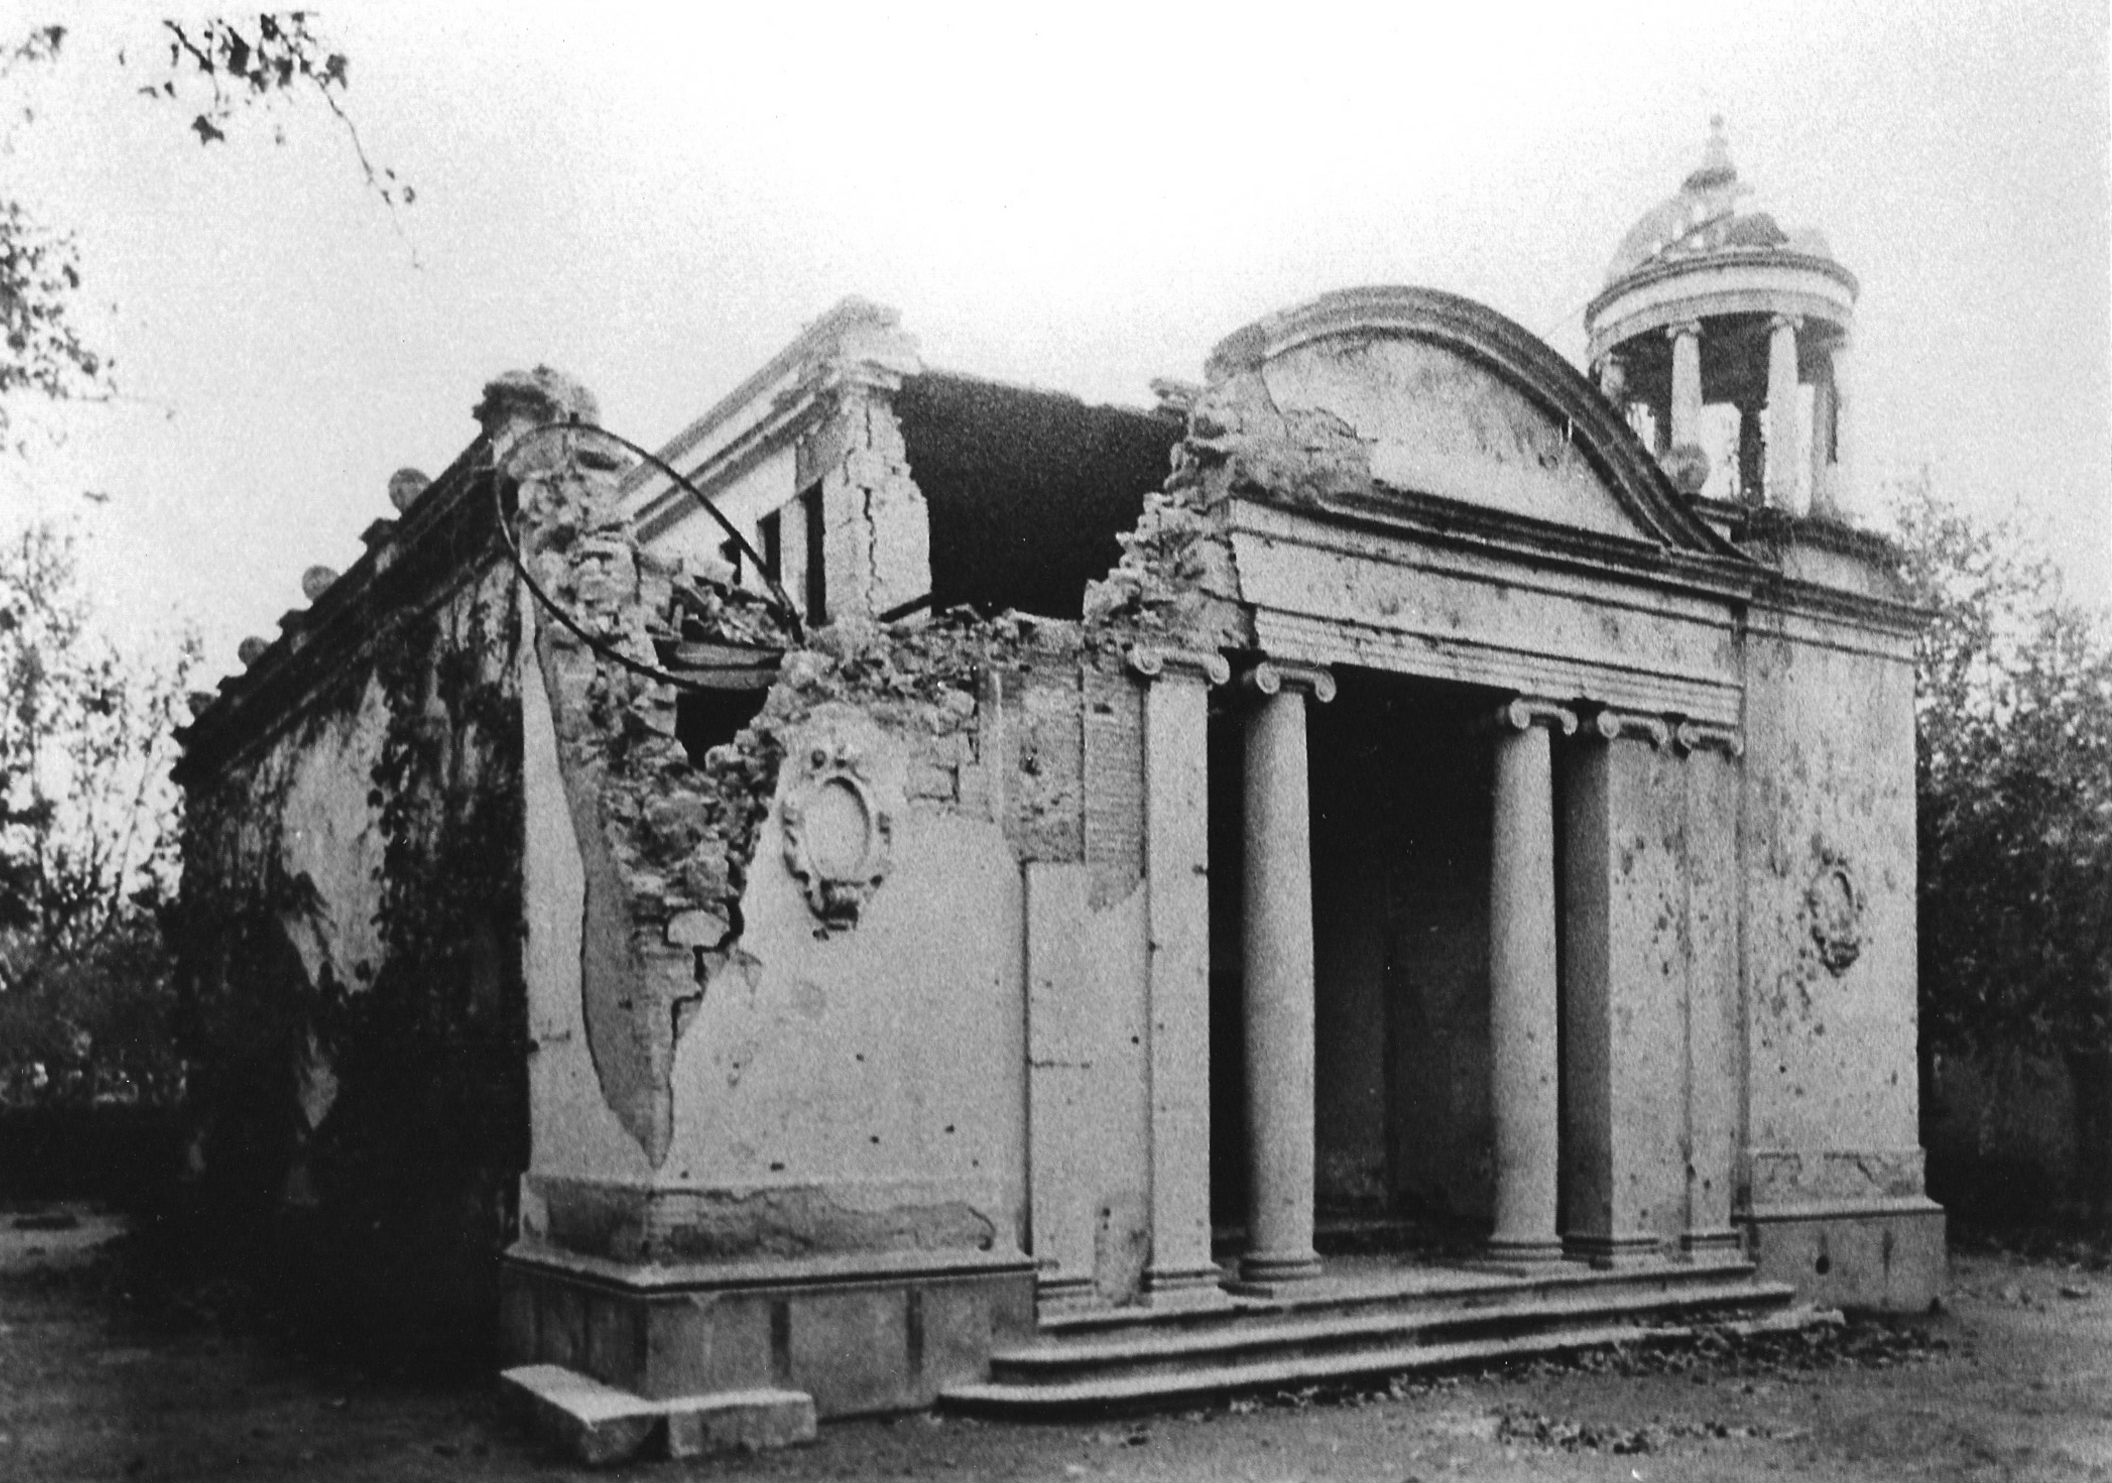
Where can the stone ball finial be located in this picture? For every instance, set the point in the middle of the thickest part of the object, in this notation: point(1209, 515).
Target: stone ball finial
point(1687, 466)
point(405, 485)
point(524, 399)
point(252, 649)
point(316, 581)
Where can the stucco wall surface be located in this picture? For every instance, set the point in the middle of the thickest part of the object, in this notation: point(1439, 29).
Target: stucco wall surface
point(881, 1062)
point(1830, 949)
point(1411, 415)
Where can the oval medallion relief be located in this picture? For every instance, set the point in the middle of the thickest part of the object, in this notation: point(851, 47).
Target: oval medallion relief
point(837, 838)
point(1834, 902)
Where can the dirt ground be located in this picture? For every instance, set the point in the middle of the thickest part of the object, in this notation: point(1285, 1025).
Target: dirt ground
point(2013, 1381)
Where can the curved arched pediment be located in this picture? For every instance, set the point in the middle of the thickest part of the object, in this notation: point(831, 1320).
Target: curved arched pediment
point(1426, 393)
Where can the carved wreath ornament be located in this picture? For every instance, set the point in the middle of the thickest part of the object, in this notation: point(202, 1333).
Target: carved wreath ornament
point(837, 837)
point(1834, 903)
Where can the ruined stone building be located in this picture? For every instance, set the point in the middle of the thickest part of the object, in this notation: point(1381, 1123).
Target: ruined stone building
point(1399, 852)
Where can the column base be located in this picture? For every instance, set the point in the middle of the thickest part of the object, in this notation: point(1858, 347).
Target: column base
point(1524, 1251)
point(1056, 1295)
point(1614, 1251)
point(1278, 1268)
point(1704, 1248)
point(1184, 1287)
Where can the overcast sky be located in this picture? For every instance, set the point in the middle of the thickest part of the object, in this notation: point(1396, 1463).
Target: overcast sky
point(1074, 197)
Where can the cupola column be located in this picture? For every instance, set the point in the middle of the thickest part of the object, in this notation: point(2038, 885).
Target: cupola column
point(1824, 402)
point(1686, 382)
point(1783, 453)
point(1841, 484)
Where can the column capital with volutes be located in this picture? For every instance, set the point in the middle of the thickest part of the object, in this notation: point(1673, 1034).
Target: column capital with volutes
point(1785, 322)
point(1271, 676)
point(1523, 712)
point(1695, 736)
point(1153, 663)
point(1683, 328)
point(1608, 725)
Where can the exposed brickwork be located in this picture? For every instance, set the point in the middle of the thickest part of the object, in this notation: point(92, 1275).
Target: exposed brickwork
point(1177, 584)
point(1113, 763)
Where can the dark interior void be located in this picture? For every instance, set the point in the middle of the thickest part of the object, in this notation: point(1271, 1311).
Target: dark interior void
point(712, 718)
point(1027, 490)
point(1400, 793)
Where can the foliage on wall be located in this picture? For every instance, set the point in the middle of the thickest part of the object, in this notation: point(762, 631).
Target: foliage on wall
point(388, 1112)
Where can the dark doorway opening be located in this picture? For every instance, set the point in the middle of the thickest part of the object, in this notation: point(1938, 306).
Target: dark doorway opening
point(1399, 786)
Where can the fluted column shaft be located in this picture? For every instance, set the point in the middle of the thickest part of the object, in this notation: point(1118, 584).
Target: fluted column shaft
point(1524, 1058)
point(1277, 930)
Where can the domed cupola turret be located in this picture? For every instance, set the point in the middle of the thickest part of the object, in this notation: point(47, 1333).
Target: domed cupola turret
point(1724, 339)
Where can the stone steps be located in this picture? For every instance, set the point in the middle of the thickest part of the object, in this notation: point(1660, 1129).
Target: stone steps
point(1335, 1331)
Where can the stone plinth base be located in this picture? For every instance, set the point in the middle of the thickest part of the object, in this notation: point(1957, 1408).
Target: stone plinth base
point(1887, 1255)
point(1614, 1252)
point(859, 1334)
point(598, 1424)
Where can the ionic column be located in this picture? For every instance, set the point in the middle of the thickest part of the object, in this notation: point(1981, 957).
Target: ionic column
point(1623, 1028)
point(1523, 1054)
point(1686, 382)
point(1177, 983)
point(1782, 443)
point(1709, 776)
point(1278, 990)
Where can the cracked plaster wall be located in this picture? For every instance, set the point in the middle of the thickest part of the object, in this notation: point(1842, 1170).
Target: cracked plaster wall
point(1828, 776)
point(786, 1085)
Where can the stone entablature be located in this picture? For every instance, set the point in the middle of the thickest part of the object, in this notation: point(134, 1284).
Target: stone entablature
point(1757, 281)
point(1477, 613)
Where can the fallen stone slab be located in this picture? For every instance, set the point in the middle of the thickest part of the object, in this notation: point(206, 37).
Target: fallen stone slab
point(599, 1424)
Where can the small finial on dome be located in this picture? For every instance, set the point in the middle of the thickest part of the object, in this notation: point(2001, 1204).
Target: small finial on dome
point(1716, 167)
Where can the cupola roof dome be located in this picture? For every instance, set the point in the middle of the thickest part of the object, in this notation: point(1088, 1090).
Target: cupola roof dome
point(1702, 218)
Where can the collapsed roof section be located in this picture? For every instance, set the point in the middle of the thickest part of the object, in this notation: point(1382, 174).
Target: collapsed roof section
point(872, 485)
point(1027, 490)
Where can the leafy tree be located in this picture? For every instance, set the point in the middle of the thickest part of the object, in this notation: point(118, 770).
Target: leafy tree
point(2014, 785)
point(219, 70)
point(87, 816)
point(87, 860)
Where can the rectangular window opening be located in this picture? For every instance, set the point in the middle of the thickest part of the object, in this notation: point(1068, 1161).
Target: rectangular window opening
point(772, 529)
point(817, 593)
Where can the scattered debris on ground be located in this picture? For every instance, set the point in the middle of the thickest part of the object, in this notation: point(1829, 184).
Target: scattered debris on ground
point(1706, 1354)
point(186, 1383)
